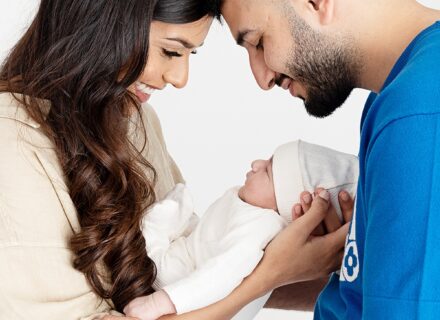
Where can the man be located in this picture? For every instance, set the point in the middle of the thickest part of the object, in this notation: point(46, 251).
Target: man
point(320, 50)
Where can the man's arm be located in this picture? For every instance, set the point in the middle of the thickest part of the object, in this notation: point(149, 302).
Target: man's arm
point(402, 259)
point(300, 296)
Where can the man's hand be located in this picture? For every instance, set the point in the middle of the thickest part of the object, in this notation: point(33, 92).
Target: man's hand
point(299, 296)
point(296, 255)
point(331, 221)
point(302, 295)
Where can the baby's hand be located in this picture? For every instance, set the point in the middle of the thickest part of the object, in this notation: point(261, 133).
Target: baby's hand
point(150, 307)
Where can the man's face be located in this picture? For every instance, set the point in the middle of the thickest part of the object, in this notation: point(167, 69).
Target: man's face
point(284, 50)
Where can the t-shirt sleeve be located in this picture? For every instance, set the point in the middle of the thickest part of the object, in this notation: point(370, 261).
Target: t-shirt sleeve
point(402, 259)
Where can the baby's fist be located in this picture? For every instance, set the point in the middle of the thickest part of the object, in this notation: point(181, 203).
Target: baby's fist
point(150, 307)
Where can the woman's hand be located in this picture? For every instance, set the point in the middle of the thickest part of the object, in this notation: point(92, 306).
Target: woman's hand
point(297, 255)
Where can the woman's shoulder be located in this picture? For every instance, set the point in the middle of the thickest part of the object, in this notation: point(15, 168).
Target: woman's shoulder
point(18, 128)
point(11, 109)
point(32, 183)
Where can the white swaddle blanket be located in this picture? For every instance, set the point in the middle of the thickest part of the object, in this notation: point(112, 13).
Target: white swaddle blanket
point(201, 263)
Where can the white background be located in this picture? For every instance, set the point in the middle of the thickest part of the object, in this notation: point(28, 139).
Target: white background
point(222, 121)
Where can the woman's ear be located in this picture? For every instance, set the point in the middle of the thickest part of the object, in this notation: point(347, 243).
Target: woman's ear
point(323, 10)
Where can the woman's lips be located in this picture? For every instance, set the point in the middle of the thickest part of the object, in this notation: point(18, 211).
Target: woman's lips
point(143, 91)
point(143, 97)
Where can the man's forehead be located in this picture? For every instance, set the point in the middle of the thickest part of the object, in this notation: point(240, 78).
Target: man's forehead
point(243, 16)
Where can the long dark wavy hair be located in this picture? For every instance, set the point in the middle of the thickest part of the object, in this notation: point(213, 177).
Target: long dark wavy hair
point(82, 56)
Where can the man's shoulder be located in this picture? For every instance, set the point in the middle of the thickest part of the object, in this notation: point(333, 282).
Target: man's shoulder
point(414, 91)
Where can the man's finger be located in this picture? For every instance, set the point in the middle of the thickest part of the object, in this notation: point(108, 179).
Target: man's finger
point(331, 220)
point(317, 212)
point(347, 204)
point(337, 238)
point(319, 230)
point(338, 260)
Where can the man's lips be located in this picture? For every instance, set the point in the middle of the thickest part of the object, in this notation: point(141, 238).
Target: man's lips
point(292, 90)
point(286, 83)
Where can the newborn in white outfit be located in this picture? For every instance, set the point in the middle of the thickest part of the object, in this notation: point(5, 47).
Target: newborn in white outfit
point(201, 262)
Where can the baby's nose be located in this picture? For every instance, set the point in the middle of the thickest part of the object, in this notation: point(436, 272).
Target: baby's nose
point(256, 165)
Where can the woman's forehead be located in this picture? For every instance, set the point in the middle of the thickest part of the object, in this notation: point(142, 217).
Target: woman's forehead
point(192, 34)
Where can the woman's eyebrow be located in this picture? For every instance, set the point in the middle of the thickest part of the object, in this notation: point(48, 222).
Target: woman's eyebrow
point(185, 43)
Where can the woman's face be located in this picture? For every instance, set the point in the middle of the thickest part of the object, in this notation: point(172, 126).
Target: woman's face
point(170, 48)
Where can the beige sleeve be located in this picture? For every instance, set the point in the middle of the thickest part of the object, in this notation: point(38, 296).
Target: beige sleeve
point(37, 219)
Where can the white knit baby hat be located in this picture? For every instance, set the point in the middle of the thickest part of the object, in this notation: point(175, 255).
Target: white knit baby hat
point(300, 166)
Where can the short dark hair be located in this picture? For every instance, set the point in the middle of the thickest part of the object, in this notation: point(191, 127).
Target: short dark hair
point(215, 7)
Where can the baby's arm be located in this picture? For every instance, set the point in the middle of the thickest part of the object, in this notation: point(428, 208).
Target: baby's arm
point(169, 218)
point(165, 228)
point(210, 283)
point(239, 252)
point(215, 279)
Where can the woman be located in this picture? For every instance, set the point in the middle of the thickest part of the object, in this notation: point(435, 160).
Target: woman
point(82, 160)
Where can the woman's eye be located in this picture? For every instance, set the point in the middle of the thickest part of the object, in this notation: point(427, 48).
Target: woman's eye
point(194, 52)
point(171, 54)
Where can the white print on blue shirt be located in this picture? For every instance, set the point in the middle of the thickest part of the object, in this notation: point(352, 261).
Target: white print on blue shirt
point(350, 263)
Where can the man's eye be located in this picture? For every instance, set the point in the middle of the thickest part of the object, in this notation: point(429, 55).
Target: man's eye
point(171, 54)
point(260, 45)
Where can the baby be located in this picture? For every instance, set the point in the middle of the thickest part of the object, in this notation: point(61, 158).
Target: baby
point(201, 262)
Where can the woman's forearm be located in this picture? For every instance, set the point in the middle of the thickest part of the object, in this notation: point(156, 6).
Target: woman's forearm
point(253, 287)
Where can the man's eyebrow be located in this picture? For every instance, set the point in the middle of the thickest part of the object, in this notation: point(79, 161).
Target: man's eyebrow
point(241, 35)
point(185, 43)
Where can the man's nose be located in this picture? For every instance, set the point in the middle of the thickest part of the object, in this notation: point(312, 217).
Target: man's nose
point(264, 76)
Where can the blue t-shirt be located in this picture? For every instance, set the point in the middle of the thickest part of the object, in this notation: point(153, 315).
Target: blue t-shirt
point(391, 266)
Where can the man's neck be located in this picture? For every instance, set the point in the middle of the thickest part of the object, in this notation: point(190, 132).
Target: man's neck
point(385, 36)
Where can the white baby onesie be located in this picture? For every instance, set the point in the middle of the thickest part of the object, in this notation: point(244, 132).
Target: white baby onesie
point(200, 264)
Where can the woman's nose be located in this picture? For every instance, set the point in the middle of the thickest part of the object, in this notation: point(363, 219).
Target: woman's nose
point(178, 74)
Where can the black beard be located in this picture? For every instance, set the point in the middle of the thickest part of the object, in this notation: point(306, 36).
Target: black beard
point(326, 69)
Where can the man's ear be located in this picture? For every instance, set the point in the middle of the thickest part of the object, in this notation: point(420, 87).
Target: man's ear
point(323, 9)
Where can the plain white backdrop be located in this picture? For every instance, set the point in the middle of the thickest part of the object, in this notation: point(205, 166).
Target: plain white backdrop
point(222, 121)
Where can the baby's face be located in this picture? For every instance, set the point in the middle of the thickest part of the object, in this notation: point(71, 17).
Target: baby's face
point(258, 189)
